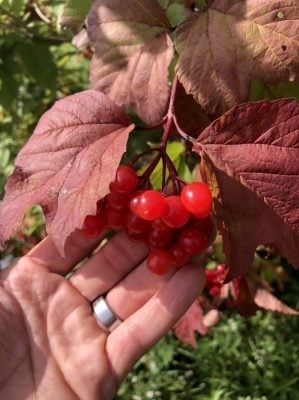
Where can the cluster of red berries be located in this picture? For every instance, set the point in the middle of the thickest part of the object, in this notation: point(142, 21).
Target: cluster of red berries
point(214, 279)
point(175, 227)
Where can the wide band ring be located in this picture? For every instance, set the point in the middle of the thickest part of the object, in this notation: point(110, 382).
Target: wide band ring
point(104, 315)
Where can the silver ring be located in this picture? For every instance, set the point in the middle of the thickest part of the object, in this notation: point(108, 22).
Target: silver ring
point(104, 315)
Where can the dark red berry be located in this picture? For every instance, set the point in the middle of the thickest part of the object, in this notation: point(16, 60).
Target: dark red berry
point(100, 205)
point(159, 262)
point(93, 226)
point(179, 256)
point(215, 291)
point(137, 237)
point(159, 225)
point(175, 214)
point(192, 240)
point(125, 180)
point(211, 277)
point(205, 225)
point(115, 219)
point(135, 224)
point(158, 239)
point(117, 201)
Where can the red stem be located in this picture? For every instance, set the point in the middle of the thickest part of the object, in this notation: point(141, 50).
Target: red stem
point(145, 177)
point(135, 159)
point(150, 128)
point(181, 132)
point(170, 112)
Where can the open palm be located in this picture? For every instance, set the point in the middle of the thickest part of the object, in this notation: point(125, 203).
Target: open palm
point(51, 344)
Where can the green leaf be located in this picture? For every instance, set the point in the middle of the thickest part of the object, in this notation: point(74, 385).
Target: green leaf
point(74, 14)
point(184, 171)
point(37, 62)
point(164, 3)
point(8, 88)
point(16, 7)
point(261, 91)
point(8, 84)
point(4, 157)
point(177, 13)
point(174, 151)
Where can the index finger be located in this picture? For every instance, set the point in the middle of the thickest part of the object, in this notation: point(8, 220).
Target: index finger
point(77, 247)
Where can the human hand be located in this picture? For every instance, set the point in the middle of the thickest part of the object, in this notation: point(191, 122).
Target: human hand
point(52, 345)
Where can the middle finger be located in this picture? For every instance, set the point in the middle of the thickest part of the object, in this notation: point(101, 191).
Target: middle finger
point(108, 266)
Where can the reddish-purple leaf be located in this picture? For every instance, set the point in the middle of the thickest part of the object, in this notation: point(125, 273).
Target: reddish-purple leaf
point(190, 116)
point(132, 55)
point(251, 159)
point(67, 164)
point(191, 322)
point(222, 48)
point(268, 301)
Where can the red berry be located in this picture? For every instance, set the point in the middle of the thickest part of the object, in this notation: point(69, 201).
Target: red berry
point(197, 198)
point(192, 240)
point(215, 291)
point(215, 276)
point(205, 224)
point(125, 180)
point(159, 225)
point(117, 201)
point(179, 256)
point(137, 237)
point(134, 199)
point(149, 205)
point(211, 277)
point(93, 226)
point(115, 219)
point(175, 214)
point(100, 205)
point(221, 272)
point(135, 224)
point(159, 239)
point(159, 262)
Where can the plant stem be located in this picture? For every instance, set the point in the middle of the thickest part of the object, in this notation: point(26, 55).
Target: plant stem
point(150, 128)
point(145, 177)
point(181, 132)
point(136, 158)
point(170, 113)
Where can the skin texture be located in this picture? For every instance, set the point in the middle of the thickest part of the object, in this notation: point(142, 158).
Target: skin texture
point(51, 345)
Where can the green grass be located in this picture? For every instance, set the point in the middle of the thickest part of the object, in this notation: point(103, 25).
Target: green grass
point(241, 359)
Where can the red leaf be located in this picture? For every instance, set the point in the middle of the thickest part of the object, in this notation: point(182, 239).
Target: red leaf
point(190, 116)
point(251, 160)
point(268, 301)
point(222, 48)
point(67, 164)
point(132, 55)
point(192, 321)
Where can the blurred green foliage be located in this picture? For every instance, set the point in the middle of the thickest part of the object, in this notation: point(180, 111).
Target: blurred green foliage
point(240, 359)
point(37, 66)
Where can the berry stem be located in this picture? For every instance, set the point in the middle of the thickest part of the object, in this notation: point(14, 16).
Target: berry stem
point(135, 159)
point(150, 169)
point(172, 171)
